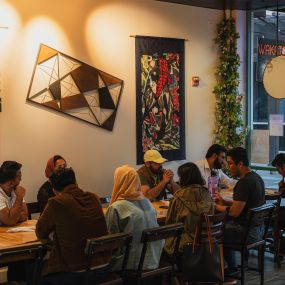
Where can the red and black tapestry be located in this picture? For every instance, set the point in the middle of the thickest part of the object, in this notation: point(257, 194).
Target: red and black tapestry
point(160, 97)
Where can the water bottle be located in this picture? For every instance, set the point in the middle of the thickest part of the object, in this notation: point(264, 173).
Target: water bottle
point(213, 182)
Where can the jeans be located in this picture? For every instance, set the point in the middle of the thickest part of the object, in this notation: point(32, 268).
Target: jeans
point(234, 234)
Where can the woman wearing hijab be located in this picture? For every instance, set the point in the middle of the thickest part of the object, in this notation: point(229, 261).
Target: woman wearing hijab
point(45, 192)
point(130, 211)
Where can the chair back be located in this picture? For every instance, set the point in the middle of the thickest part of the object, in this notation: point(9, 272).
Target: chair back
point(211, 228)
point(159, 233)
point(261, 214)
point(106, 243)
point(33, 208)
point(276, 201)
point(30, 251)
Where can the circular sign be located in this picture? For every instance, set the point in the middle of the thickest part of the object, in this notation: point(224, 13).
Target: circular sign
point(274, 77)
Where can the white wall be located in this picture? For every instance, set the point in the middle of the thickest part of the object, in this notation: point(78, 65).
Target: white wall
point(98, 33)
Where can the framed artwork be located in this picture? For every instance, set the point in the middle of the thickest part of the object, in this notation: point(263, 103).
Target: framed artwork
point(160, 97)
point(74, 88)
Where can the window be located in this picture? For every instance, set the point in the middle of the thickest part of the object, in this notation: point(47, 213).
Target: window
point(267, 33)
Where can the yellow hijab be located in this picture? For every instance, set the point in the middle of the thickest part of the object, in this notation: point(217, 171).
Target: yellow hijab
point(127, 185)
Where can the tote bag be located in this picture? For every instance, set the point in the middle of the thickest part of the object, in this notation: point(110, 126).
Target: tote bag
point(203, 262)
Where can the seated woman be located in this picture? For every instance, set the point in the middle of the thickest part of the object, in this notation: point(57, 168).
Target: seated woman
point(130, 211)
point(188, 203)
point(45, 192)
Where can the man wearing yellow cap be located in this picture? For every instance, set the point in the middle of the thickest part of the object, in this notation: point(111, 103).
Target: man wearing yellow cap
point(155, 179)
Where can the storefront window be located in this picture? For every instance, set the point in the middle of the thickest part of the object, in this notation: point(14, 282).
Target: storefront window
point(268, 42)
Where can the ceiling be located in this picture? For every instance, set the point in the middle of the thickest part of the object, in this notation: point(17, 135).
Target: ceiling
point(230, 4)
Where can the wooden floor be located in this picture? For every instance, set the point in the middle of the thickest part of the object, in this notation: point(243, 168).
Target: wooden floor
point(273, 275)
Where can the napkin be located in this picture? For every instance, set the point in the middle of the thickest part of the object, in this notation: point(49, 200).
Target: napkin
point(21, 229)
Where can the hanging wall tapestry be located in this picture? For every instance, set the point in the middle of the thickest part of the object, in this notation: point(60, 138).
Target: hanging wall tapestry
point(67, 85)
point(160, 97)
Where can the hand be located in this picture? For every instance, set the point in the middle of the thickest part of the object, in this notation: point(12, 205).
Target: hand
point(218, 198)
point(167, 176)
point(23, 216)
point(20, 191)
point(281, 184)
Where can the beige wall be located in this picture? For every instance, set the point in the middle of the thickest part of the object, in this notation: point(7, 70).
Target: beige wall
point(98, 33)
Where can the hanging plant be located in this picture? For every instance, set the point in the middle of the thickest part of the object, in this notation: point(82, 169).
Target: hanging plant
point(229, 128)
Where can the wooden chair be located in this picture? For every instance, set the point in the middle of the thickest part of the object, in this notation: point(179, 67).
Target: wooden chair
point(30, 251)
point(274, 234)
point(263, 212)
point(33, 208)
point(210, 230)
point(109, 242)
point(151, 235)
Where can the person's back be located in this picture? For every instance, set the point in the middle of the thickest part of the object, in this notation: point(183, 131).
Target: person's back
point(77, 216)
point(188, 203)
point(72, 217)
point(134, 217)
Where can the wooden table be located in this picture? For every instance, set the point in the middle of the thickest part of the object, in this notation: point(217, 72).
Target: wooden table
point(225, 193)
point(12, 239)
point(19, 245)
point(160, 212)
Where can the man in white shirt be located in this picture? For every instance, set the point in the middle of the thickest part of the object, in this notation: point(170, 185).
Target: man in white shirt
point(13, 208)
point(214, 161)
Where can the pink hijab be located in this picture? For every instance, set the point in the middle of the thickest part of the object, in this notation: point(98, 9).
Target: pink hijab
point(127, 185)
point(51, 165)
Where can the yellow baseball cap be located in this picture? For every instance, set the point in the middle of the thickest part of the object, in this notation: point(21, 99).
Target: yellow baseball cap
point(153, 155)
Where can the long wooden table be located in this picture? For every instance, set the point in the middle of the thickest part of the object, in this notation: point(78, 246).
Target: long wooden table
point(228, 194)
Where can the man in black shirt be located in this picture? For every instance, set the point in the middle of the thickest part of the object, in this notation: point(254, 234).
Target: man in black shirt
point(249, 192)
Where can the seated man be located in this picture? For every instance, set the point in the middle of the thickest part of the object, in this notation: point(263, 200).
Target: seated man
point(248, 193)
point(154, 179)
point(72, 216)
point(12, 206)
point(279, 163)
point(13, 209)
point(214, 160)
point(46, 192)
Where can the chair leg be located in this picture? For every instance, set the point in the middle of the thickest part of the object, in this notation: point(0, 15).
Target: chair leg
point(138, 281)
point(243, 253)
point(171, 281)
point(261, 249)
point(277, 249)
point(259, 260)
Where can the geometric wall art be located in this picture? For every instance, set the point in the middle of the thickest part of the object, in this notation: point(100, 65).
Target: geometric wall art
point(69, 86)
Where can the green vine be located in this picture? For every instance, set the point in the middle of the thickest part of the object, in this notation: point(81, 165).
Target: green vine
point(229, 130)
